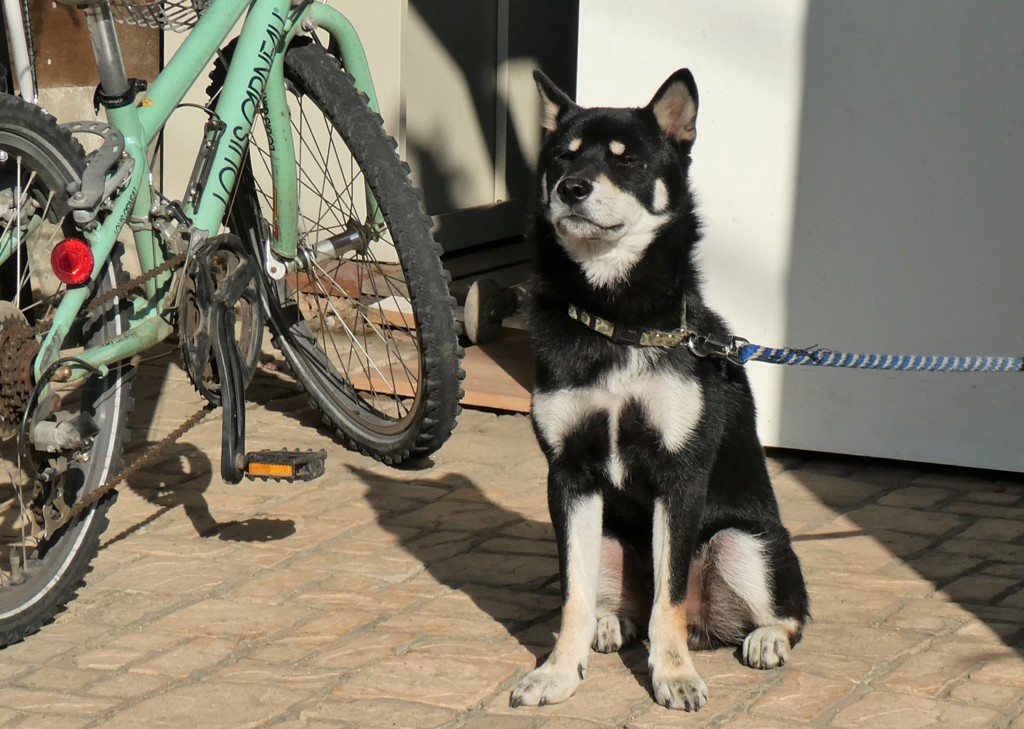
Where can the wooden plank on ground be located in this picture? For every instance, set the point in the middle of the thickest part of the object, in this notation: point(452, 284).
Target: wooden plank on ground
point(499, 375)
point(376, 383)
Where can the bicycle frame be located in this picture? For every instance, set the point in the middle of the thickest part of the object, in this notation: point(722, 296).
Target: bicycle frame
point(256, 72)
point(22, 63)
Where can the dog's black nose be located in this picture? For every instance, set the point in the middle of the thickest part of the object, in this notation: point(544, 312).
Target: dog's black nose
point(573, 190)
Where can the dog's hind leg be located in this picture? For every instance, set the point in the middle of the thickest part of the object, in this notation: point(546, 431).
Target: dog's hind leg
point(753, 595)
point(623, 596)
point(578, 528)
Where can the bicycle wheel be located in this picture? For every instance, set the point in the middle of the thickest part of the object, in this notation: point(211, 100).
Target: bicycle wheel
point(367, 326)
point(40, 567)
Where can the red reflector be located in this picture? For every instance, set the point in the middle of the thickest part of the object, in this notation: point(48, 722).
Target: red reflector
point(72, 261)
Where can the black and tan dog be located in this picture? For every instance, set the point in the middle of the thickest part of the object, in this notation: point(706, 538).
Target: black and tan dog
point(660, 499)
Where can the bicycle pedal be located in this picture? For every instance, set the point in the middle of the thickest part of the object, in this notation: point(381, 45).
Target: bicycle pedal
point(285, 465)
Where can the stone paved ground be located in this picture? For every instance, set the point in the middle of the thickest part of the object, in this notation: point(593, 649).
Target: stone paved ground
point(416, 598)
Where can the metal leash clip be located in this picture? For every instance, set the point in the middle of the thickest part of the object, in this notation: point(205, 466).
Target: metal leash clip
point(705, 345)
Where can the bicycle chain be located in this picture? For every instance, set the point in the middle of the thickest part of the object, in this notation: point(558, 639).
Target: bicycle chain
point(150, 456)
point(126, 288)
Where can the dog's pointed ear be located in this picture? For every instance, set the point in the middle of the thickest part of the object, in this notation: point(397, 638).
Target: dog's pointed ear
point(675, 107)
point(553, 100)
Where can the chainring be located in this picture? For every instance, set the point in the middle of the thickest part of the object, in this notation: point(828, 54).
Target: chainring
point(194, 336)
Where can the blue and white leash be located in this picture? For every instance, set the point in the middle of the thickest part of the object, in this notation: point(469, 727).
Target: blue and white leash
point(746, 352)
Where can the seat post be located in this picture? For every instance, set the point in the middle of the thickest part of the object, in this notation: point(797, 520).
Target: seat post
point(113, 79)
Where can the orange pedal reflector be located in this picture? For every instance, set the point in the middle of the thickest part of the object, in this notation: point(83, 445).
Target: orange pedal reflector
point(271, 470)
point(285, 465)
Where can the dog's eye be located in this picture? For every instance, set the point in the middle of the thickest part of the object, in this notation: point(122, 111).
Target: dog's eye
point(565, 156)
point(626, 160)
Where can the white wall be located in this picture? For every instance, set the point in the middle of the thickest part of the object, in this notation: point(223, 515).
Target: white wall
point(860, 168)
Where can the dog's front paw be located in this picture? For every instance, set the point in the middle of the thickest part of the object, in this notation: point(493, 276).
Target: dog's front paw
point(679, 689)
point(682, 689)
point(766, 647)
point(545, 685)
point(613, 633)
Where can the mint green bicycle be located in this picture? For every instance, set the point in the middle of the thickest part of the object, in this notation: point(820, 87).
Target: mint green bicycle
point(298, 215)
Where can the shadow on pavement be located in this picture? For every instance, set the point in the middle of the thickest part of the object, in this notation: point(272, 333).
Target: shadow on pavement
point(962, 530)
point(505, 563)
point(181, 475)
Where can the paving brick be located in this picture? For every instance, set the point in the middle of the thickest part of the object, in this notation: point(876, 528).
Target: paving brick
point(67, 679)
point(258, 673)
point(942, 567)
point(490, 721)
point(230, 619)
point(208, 705)
point(936, 668)
point(956, 480)
point(983, 549)
point(354, 651)
point(127, 648)
point(980, 693)
point(365, 592)
point(915, 497)
point(1005, 668)
point(170, 577)
point(930, 615)
point(198, 654)
point(756, 722)
point(276, 586)
point(53, 702)
point(969, 507)
point(880, 709)
point(835, 491)
point(505, 545)
point(990, 631)
point(800, 696)
point(123, 685)
point(870, 643)
point(446, 682)
point(994, 529)
point(495, 570)
point(849, 669)
point(1014, 571)
point(839, 603)
point(10, 671)
point(979, 588)
point(377, 713)
point(311, 724)
point(44, 722)
point(913, 521)
point(1014, 600)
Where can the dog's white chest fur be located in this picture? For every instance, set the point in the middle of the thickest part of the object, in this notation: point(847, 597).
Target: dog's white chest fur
point(671, 404)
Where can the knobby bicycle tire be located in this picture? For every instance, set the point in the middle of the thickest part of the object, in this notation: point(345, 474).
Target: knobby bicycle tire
point(334, 309)
point(45, 158)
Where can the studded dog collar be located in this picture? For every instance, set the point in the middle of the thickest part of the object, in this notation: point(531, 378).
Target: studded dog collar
point(631, 335)
point(701, 345)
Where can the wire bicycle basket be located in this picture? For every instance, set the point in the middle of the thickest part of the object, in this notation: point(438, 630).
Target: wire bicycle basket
point(176, 15)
